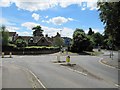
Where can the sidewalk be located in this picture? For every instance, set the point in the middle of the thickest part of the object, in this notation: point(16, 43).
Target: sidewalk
point(111, 61)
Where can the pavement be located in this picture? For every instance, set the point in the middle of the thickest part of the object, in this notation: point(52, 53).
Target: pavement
point(112, 61)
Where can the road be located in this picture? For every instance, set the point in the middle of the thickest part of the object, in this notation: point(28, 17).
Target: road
point(55, 76)
point(14, 76)
point(92, 64)
point(0, 74)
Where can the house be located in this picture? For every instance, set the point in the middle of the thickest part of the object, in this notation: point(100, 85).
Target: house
point(38, 39)
point(12, 36)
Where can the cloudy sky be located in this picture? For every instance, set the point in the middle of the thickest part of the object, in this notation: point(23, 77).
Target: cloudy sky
point(52, 15)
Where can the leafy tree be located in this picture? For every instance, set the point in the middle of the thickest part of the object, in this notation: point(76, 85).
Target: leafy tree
point(97, 39)
point(90, 32)
point(5, 36)
point(58, 41)
point(80, 41)
point(37, 31)
point(109, 15)
point(21, 43)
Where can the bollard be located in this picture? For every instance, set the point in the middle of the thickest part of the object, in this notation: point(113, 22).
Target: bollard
point(2, 54)
point(10, 55)
point(68, 59)
point(58, 58)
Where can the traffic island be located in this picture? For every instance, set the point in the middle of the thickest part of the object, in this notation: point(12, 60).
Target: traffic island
point(58, 61)
point(68, 64)
point(78, 69)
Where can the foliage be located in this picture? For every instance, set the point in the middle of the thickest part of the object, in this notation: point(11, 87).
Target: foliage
point(90, 32)
point(109, 15)
point(5, 36)
point(37, 31)
point(97, 39)
point(21, 43)
point(80, 41)
point(58, 41)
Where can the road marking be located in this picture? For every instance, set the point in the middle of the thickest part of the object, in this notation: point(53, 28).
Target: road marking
point(33, 75)
point(36, 78)
point(75, 71)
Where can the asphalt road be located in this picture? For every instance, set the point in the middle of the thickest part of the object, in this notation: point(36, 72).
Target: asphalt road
point(93, 64)
point(55, 76)
point(14, 76)
point(0, 74)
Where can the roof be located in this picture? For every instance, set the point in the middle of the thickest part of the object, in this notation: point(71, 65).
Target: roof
point(37, 39)
point(12, 34)
point(25, 37)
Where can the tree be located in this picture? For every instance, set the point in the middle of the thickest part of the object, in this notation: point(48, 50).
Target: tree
point(80, 41)
point(97, 38)
point(109, 15)
point(5, 36)
point(90, 32)
point(37, 31)
point(58, 41)
point(21, 43)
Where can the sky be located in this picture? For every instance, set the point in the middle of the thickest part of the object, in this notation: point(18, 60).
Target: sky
point(62, 16)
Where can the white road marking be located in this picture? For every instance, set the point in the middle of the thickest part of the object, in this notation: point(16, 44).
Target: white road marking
point(37, 78)
point(75, 71)
point(33, 75)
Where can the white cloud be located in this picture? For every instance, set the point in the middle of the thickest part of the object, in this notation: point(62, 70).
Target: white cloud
point(46, 16)
point(3, 21)
point(59, 20)
point(33, 5)
point(5, 3)
point(24, 33)
point(67, 32)
point(50, 30)
point(29, 25)
point(36, 16)
point(12, 28)
point(70, 19)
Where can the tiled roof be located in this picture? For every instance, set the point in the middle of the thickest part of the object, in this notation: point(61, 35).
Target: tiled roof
point(12, 34)
point(24, 37)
